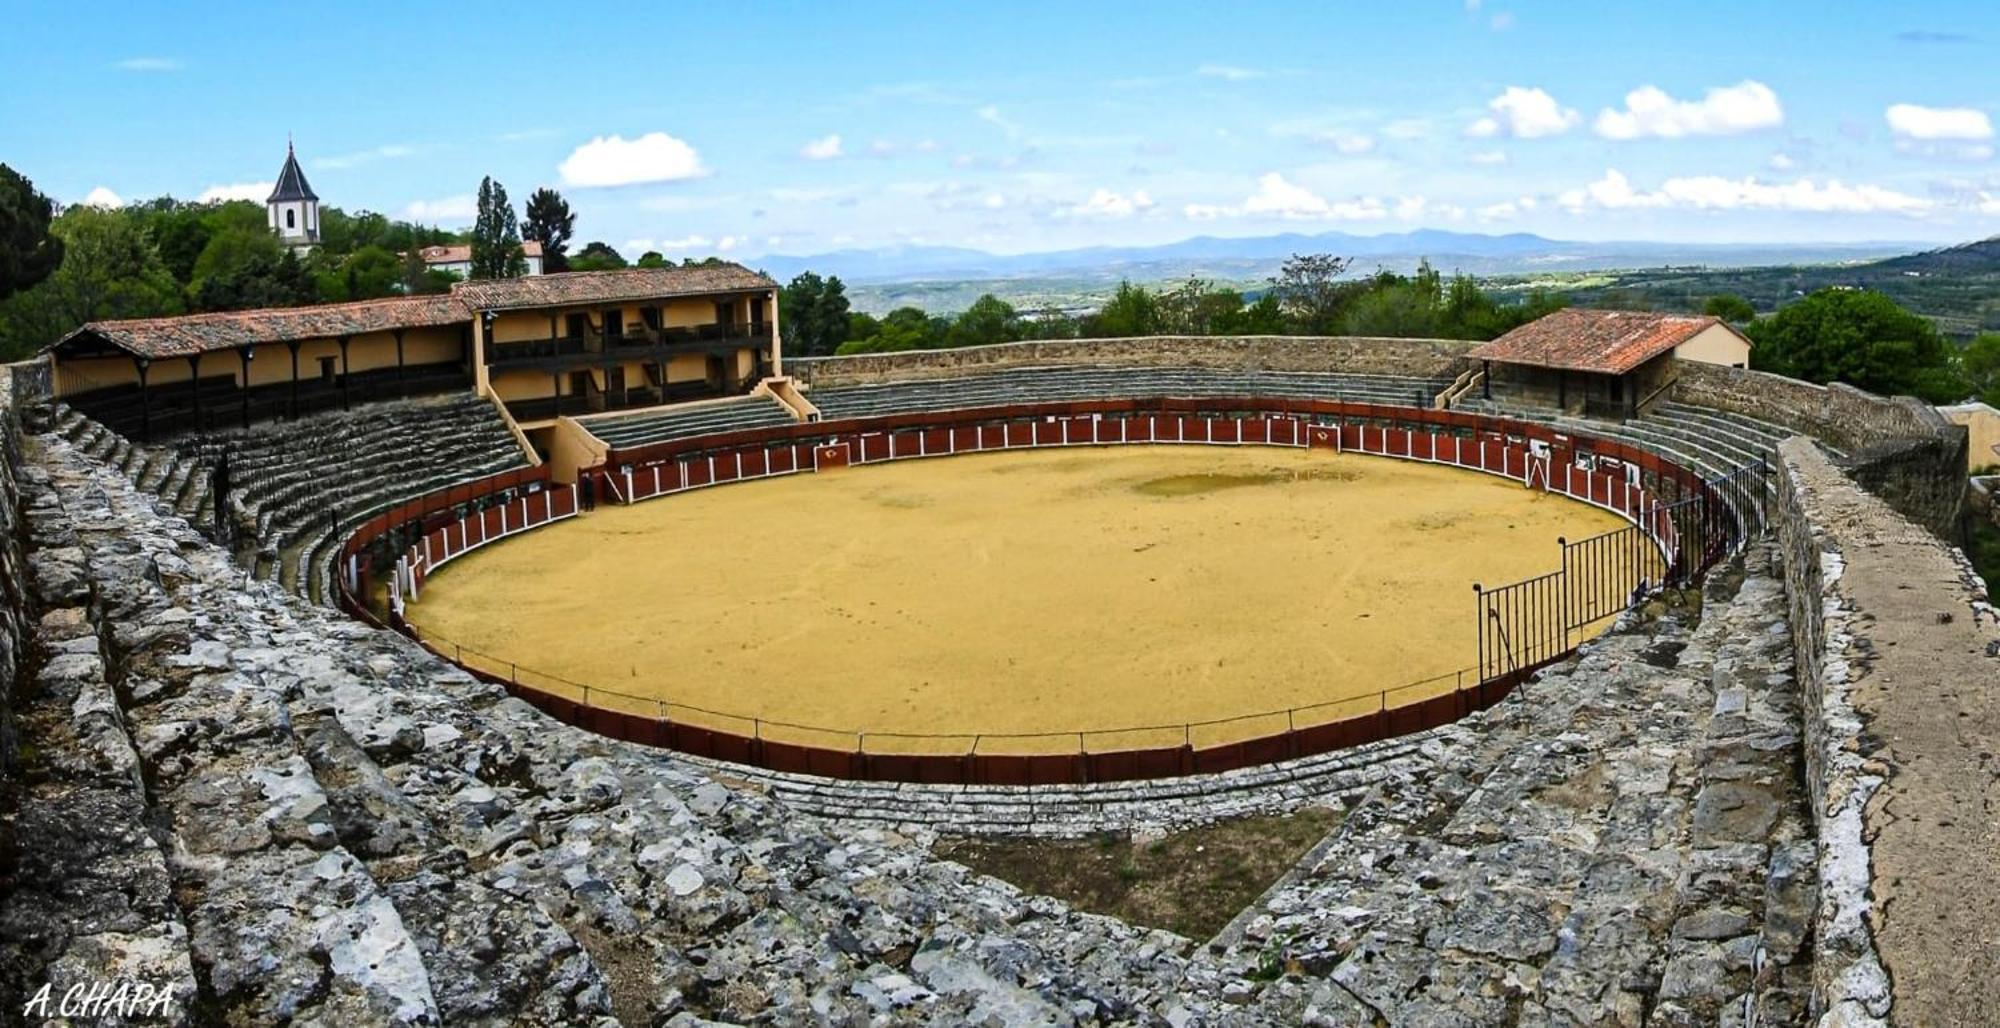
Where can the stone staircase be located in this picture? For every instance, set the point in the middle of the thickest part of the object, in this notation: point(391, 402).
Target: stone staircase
point(698, 419)
point(291, 480)
point(1097, 382)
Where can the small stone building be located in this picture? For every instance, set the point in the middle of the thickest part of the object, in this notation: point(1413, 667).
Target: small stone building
point(1610, 364)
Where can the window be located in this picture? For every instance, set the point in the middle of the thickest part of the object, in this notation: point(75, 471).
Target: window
point(291, 218)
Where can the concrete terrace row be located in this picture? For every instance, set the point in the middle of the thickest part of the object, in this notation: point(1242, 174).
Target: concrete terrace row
point(732, 415)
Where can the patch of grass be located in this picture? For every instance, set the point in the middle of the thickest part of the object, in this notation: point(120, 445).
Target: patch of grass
point(1190, 883)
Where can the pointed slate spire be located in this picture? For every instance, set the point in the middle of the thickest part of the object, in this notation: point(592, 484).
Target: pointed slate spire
point(291, 181)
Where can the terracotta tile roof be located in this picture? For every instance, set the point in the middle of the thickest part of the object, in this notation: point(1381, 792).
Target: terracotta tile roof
point(463, 254)
point(1604, 342)
point(203, 333)
point(585, 287)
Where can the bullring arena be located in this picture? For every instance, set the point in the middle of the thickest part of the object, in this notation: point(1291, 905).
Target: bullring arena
point(413, 695)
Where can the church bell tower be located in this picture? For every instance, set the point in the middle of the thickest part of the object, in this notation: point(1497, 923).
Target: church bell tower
point(293, 209)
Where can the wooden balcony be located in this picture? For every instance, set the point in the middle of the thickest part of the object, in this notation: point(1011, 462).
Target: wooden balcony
point(638, 343)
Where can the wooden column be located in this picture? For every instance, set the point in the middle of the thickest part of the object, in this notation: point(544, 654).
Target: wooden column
point(344, 376)
point(293, 345)
point(194, 375)
point(401, 388)
point(555, 382)
point(145, 400)
point(248, 354)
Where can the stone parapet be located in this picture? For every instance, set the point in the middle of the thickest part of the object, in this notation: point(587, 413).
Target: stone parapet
point(1359, 355)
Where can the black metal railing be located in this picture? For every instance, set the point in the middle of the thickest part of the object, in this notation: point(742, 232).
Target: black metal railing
point(632, 342)
point(1533, 622)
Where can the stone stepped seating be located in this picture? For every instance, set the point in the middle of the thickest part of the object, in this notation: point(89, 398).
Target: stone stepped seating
point(691, 420)
point(361, 834)
point(291, 477)
point(1090, 382)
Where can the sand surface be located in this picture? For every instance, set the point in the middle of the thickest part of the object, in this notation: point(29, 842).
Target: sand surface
point(1026, 592)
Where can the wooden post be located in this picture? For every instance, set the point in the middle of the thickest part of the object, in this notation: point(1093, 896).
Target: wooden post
point(293, 345)
point(401, 389)
point(248, 354)
point(194, 372)
point(145, 400)
point(344, 376)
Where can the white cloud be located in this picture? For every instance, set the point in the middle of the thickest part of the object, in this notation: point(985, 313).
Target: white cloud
point(1410, 208)
point(1489, 157)
point(1105, 203)
point(1501, 22)
point(1524, 113)
point(1277, 197)
point(1989, 203)
point(1348, 143)
point(102, 197)
point(379, 153)
point(1228, 72)
point(150, 64)
point(255, 191)
point(1714, 192)
point(825, 148)
point(1407, 128)
point(1783, 161)
point(991, 115)
point(1958, 133)
point(617, 161)
point(1499, 211)
point(993, 201)
point(881, 148)
point(1723, 111)
point(1911, 121)
point(449, 210)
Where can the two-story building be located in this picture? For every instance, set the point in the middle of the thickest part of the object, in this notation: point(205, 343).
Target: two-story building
point(544, 347)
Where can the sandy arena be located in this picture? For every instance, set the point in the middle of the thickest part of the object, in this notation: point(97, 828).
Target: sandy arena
point(1011, 593)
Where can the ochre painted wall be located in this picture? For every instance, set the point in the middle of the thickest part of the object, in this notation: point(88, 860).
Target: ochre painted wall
point(1716, 345)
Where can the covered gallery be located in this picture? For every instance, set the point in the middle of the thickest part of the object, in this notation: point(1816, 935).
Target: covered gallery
point(546, 346)
point(1602, 363)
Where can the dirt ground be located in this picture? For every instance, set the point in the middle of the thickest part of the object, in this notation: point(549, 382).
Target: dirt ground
point(1009, 593)
point(1191, 883)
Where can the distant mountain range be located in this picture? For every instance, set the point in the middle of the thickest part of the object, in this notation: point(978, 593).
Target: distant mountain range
point(1257, 256)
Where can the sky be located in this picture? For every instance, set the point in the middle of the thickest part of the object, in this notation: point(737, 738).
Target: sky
point(753, 128)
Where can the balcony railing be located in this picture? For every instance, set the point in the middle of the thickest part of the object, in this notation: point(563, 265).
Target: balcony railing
point(594, 402)
point(636, 342)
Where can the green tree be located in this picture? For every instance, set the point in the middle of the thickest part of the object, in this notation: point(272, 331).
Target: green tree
point(1198, 307)
point(1731, 308)
point(496, 239)
point(989, 320)
point(550, 222)
point(1981, 365)
point(813, 314)
point(1261, 318)
point(366, 274)
point(905, 328)
point(29, 252)
point(1131, 311)
point(109, 270)
point(596, 256)
point(651, 259)
point(1862, 338)
point(1310, 291)
point(234, 274)
point(862, 325)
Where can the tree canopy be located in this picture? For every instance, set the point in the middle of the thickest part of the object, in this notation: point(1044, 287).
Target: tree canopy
point(496, 238)
point(550, 222)
point(29, 252)
point(110, 269)
point(596, 256)
point(1730, 307)
point(1862, 338)
point(812, 313)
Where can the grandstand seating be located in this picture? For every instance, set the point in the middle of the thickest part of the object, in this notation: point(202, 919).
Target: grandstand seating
point(1710, 441)
point(293, 478)
point(1089, 382)
point(657, 426)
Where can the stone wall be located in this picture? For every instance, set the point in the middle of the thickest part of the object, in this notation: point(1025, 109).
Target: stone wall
point(1899, 448)
point(1896, 653)
point(1361, 355)
point(14, 619)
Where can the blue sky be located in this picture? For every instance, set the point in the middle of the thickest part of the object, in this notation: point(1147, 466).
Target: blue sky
point(803, 127)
